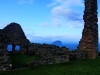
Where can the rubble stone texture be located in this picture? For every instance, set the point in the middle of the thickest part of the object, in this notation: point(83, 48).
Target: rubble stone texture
point(89, 40)
point(5, 63)
point(50, 54)
point(11, 34)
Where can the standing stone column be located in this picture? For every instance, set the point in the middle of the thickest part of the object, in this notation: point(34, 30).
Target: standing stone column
point(89, 40)
point(13, 47)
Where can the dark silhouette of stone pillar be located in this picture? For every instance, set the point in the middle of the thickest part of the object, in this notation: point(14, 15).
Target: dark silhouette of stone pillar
point(13, 47)
point(89, 40)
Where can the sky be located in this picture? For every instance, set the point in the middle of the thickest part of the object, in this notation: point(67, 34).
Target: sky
point(45, 21)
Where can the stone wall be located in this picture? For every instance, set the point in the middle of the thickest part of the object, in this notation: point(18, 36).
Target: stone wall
point(11, 34)
point(50, 54)
point(14, 34)
point(49, 60)
point(5, 62)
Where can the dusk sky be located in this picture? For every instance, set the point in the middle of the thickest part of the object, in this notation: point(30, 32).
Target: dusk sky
point(45, 21)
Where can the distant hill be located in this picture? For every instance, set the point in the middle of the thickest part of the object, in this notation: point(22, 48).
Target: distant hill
point(57, 43)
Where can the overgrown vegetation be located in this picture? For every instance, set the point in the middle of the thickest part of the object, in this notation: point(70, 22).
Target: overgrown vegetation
point(75, 67)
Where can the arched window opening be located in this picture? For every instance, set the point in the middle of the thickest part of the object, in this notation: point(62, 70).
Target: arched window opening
point(9, 47)
point(17, 47)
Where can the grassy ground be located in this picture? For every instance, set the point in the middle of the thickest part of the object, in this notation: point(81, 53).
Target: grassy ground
point(83, 67)
point(20, 59)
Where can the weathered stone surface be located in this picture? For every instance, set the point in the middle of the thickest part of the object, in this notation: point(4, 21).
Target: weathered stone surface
point(89, 40)
point(11, 34)
point(50, 54)
point(14, 35)
point(5, 63)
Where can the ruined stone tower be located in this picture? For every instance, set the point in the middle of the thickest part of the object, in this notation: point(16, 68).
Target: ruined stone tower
point(11, 34)
point(89, 40)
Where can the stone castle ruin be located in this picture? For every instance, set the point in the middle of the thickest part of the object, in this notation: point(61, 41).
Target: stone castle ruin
point(89, 40)
point(87, 48)
point(13, 34)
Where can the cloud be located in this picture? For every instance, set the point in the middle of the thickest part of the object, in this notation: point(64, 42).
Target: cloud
point(52, 4)
point(56, 22)
point(66, 38)
point(44, 24)
point(28, 32)
point(26, 1)
point(37, 39)
point(75, 24)
point(66, 3)
point(62, 11)
point(52, 38)
point(3, 24)
point(31, 30)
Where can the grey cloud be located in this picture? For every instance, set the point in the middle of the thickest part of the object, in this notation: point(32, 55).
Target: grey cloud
point(63, 12)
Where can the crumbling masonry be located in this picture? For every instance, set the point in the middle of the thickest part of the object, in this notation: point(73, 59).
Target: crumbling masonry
point(89, 40)
point(11, 34)
point(87, 48)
